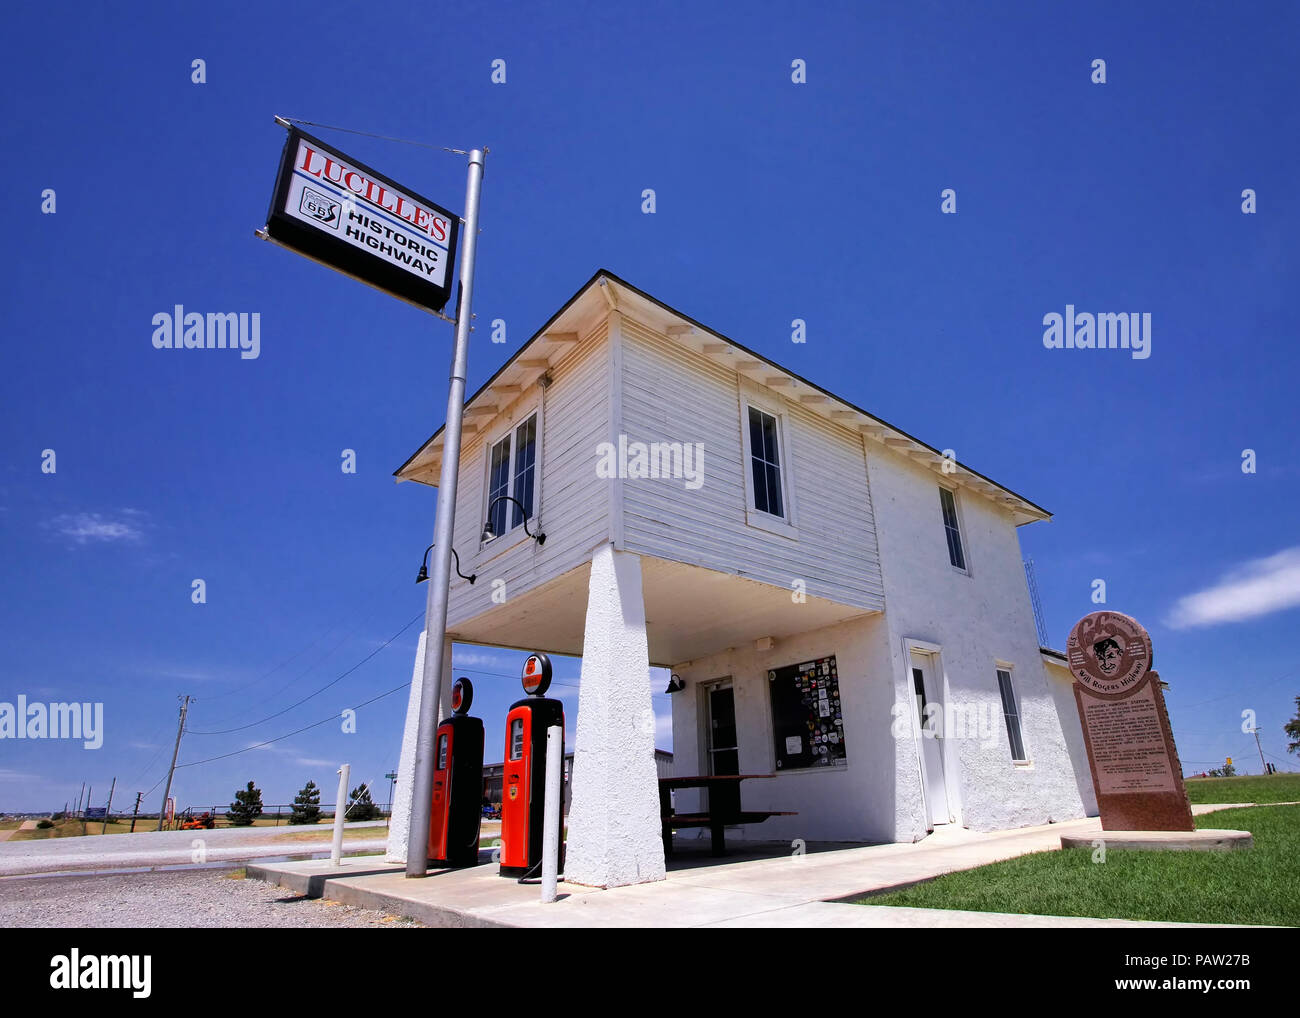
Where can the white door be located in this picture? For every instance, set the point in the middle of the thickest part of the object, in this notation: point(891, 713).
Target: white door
point(925, 691)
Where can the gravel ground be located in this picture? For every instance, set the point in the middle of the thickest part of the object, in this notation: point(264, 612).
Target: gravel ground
point(190, 898)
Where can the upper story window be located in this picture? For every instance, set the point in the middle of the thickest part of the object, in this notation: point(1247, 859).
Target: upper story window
point(512, 470)
point(952, 529)
point(1011, 711)
point(765, 463)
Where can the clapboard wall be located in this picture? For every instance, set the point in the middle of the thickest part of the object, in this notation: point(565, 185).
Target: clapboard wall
point(671, 394)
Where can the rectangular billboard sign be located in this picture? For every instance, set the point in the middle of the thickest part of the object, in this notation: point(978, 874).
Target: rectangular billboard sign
point(338, 211)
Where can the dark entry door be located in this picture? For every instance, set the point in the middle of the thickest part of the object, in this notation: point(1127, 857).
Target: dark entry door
point(724, 751)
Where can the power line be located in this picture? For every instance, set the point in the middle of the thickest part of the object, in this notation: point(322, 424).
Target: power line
point(1236, 692)
point(279, 738)
point(339, 678)
point(145, 769)
point(302, 674)
point(381, 137)
point(293, 657)
point(502, 675)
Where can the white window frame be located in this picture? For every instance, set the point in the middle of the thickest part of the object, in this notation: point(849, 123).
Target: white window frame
point(1006, 666)
point(512, 537)
point(755, 517)
point(962, 532)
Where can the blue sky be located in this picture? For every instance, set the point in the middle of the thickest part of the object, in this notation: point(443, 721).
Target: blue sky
point(775, 201)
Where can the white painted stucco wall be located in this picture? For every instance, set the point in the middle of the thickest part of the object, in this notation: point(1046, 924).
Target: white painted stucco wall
point(399, 825)
point(1061, 683)
point(614, 832)
point(978, 619)
point(854, 802)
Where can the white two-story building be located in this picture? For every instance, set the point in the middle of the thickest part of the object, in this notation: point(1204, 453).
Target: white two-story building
point(843, 606)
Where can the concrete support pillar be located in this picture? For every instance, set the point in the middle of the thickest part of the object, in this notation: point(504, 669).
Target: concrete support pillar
point(614, 833)
point(399, 825)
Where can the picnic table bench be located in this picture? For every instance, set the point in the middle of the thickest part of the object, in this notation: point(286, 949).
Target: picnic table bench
point(724, 807)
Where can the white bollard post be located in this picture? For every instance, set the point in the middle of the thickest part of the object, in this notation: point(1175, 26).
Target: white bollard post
point(554, 809)
point(340, 808)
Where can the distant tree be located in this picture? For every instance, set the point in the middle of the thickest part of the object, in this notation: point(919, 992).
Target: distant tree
point(306, 805)
point(1292, 729)
point(247, 806)
point(360, 805)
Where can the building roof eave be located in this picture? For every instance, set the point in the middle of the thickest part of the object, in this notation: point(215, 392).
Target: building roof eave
point(1021, 509)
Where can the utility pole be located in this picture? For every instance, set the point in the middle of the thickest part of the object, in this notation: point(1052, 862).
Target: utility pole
point(85, 806)
point(109, 808)
point(162, 810)
point(1260, 748)
point(435, 612)
point(136, 812)
point(77, 811)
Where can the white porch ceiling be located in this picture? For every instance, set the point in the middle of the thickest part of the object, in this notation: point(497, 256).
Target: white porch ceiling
point(691, 612)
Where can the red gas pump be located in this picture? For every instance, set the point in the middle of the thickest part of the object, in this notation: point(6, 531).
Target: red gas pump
point(524, 786)
point(457, 784)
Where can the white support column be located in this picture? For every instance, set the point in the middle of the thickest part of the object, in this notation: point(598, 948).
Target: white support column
point(614, 833)
point(399, 824)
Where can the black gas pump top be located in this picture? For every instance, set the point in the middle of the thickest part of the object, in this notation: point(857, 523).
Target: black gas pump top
point(537, 674)
point(462, 695)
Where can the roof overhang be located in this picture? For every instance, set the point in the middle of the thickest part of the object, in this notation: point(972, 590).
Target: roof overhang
point(606, 292)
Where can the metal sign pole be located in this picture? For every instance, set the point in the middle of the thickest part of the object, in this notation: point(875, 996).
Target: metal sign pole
point(435, 615)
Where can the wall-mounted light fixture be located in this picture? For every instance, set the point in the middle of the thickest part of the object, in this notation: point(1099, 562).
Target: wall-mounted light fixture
point(424, 567)
point(675, 684)
point(488, 535)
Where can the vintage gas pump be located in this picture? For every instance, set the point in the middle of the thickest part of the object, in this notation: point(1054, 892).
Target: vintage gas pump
point(523, 792)
point(457, 808)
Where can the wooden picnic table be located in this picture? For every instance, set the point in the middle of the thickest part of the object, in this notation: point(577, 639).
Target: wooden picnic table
point(724, 809)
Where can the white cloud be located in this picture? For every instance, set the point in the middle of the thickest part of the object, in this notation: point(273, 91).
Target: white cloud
point(1258, 587)
point(83, 528)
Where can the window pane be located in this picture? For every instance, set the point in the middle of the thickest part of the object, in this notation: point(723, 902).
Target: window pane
point(525, 469)
point(769, 441)
point(760, 484)
point(499, 484)
point(951, 528)
point(765, 463)
point(774, 491)
point(1012, 715)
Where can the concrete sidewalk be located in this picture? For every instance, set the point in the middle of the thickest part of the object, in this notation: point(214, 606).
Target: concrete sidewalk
point(758, 885)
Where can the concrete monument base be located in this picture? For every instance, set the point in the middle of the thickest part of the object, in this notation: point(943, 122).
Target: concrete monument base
point(1206, 840)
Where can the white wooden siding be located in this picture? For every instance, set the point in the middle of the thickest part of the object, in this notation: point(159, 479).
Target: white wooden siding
point(670, 394)
point(573, 510)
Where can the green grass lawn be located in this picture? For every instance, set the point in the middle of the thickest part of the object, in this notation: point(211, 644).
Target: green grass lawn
point(1270, 788)
point(1259, 885)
